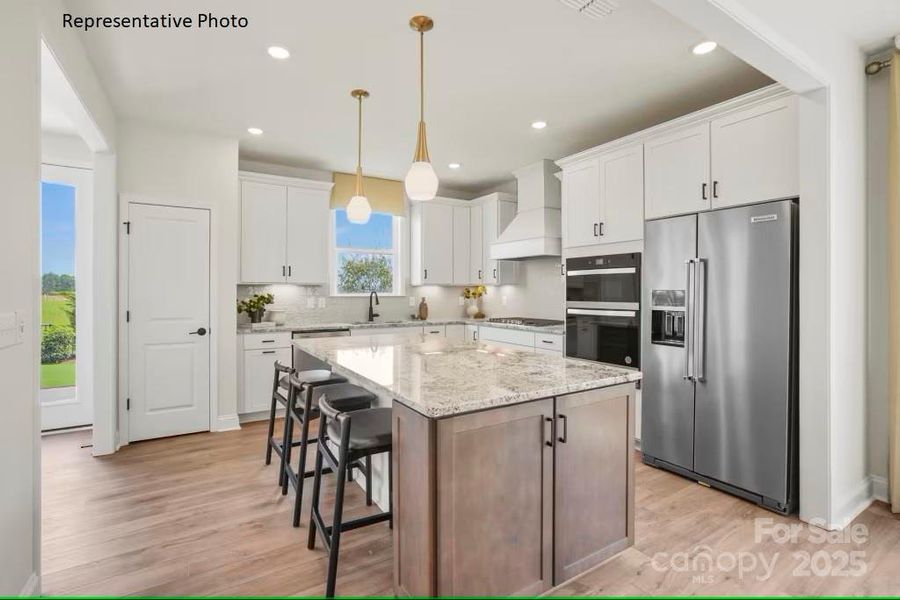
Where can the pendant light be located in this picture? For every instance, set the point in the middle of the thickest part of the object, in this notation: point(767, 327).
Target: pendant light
point(358, 209)
point(421, 181)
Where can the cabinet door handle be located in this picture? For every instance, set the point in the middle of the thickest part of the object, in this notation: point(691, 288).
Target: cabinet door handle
point(595, 230)
point(283, 271)
point(548, 442)
point(268, 352)
point(703, 191)
point(495, 273)
point(479, 274)
point(290, 268)
point(601, 228)
point(426, 273)
point(715, 189)
point(267, 341)
point(565, 429)
point(474, 336)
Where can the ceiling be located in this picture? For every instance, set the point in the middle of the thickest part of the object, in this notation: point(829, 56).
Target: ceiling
point(491, 69)
point(56, 95)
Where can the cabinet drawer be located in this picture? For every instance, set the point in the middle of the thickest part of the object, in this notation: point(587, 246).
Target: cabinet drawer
point(435, 330)
point(261, 341)
point(546, 341)
point(508, 336)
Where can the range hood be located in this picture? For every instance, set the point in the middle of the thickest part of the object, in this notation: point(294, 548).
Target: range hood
point(536, 229)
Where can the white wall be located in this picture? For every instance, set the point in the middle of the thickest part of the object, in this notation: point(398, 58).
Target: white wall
point(540, 293)
point(804, 47)
point(170, 166)
point(19, 291)
point(65, 151)
point(878, 101)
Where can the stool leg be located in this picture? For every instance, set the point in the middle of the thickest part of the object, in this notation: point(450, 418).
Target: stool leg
point(301, 470)
point(271, 430)
point(391, 488)
point(368, 481)
point(314, 502)
point(336, 526)
point(287, 443)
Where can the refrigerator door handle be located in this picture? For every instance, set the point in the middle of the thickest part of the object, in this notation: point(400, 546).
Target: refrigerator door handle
point(689, 319)
point(699, 341)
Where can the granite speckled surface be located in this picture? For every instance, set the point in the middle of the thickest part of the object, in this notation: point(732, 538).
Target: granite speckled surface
point(310, 327)
point(438, 378)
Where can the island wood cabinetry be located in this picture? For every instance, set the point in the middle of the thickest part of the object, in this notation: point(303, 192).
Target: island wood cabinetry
point(474, 518)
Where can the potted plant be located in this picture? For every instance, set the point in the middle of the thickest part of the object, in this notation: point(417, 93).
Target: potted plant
point(473, 295)
point(255, 306)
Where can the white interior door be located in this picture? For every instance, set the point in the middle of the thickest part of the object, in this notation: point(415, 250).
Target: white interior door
point(169, 340)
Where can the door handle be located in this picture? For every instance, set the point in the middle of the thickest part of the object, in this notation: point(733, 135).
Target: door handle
point(495, 273)
point(290, 268)
point(703, 191)
point(601, 228)
point(426, 273)
point(201, 332)
point(689, 319)
point(595, 230)
point(699, 341)
point(715, 189)
point(479, 275)
point(283, 271)
point(268, 352)
point(548, 442)
point(565, 427)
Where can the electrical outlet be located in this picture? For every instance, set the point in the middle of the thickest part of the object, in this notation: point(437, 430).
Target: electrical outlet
point(310, 302)
point(412, 301)
point(321, 301)
point(462, 301)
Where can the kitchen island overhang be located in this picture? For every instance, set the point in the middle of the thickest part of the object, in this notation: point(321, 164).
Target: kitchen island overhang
point(513, 471)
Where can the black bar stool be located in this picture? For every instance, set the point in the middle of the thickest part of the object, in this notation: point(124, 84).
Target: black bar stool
point(358, 435)
point(302, 384)
point(279, 383)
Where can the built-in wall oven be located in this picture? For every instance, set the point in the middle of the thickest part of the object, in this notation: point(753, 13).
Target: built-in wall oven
point(603, 295)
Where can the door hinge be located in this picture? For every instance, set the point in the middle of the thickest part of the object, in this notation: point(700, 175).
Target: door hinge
point(127, 403)
point(127, 225)
point(128, 316)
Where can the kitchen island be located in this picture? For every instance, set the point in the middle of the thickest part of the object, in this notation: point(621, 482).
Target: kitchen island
point(513, 470)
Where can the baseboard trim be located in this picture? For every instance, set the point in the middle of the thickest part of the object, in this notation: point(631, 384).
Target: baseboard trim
point(879, 487)
point(228, 423)
point(260, 415)
point(855, 504)
point(32, 587)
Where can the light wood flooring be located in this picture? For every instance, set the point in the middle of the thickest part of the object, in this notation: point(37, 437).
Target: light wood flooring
point(201, 515)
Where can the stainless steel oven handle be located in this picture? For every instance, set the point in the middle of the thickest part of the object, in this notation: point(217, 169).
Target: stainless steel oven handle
point(601, 313)
point(700, 319)
point(612, 271)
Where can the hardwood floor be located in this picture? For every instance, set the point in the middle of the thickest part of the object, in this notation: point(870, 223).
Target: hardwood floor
point(201, 515)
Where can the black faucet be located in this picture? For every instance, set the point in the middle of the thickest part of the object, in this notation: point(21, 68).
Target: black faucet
point(372, 313)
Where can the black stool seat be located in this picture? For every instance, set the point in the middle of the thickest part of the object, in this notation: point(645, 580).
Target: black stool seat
point(371, 429)
point(344, 396)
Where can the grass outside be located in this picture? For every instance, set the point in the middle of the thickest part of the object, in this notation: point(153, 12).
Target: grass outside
point(53, 313)
point(58, 375)
point(53, 310)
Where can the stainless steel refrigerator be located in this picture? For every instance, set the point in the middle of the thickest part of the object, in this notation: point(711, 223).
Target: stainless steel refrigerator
point(719, 350)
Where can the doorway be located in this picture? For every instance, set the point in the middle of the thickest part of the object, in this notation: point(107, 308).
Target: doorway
point(66, 396)
point(168, 321)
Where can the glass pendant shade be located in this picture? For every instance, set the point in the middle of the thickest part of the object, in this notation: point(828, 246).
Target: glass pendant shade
point(359, 210)
point(421, 181)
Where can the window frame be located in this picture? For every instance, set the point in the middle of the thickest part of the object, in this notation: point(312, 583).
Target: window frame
point(396, 251)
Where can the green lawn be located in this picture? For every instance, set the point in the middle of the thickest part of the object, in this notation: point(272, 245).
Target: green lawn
point(53, 313)
point(53, 310)
point(58, 375)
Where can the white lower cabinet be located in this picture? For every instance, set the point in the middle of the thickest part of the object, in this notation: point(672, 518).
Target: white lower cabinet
point(434, 330)
point(456, 332)
point(258, 373)
point(405, 331)
point(471, 333)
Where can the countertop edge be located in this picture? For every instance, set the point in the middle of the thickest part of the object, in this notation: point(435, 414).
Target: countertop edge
point(313, 327)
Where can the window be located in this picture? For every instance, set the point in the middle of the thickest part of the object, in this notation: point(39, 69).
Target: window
point(366, 257)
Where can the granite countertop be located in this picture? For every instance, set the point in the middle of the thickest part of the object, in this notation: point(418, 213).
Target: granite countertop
point(438, 377)
point(311, 327)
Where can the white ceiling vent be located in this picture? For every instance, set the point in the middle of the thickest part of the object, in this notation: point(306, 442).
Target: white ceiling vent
point(596, 9)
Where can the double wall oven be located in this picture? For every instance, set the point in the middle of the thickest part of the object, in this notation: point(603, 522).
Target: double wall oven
point(603, 295)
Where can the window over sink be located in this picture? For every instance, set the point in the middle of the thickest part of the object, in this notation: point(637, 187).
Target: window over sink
point(366, 257)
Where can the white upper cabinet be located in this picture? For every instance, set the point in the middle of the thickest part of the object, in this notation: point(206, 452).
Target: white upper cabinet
point(755, 154)
point(431, 235)
point(498, 211)
point(308, 221)
point(603, 198)
point(581, 203)
point(622, 195)
point(284, 230)
point(461, 245)
point(263, 232)
point(476, 244)
point(676, 172)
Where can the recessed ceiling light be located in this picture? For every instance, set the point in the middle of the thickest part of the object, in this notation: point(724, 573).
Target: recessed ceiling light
point(538, 124)
point(254, 131)
point(279, 52)
point(454, 165)
point(704, 48)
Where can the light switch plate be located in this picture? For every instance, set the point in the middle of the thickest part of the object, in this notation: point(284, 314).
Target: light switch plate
point(412, 301)
point(462, 301)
